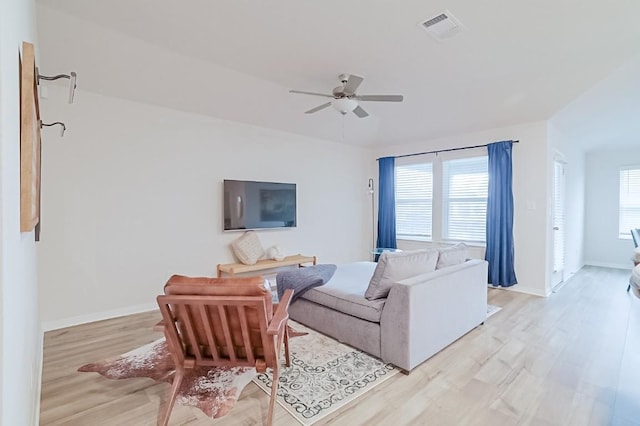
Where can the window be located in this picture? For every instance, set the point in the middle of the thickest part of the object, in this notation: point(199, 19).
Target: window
point(443, 198)
point(464, 199)
point(414, 198)
point(629, 201)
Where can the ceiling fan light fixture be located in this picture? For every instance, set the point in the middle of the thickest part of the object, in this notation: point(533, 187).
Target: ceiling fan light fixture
point(344, 105)
point(344, 98)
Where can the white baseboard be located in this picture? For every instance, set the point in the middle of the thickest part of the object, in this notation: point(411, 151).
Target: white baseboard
point(38, 380)
point(522, 289)
point(626, 266)
point(98, 316)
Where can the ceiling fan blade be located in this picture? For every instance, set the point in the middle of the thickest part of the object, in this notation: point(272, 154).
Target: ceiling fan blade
point(380, 98)
point(352, 84)
point(318, 108)
point(310, 93)
point(360, 112)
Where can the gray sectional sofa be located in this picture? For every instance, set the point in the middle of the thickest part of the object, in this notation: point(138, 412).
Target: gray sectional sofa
point(420, 316)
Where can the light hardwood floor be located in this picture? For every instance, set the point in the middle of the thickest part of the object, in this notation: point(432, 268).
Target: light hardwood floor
point(570, 359)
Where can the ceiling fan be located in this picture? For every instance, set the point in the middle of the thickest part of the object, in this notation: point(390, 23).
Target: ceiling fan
point(345, 99)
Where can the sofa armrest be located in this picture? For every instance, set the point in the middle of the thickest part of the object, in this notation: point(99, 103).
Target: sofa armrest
point(426, 313)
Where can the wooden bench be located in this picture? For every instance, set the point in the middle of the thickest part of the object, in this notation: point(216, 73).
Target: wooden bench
point(238, 268)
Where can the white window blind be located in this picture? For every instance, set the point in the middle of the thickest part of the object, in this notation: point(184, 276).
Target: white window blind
point(558, 217)
point(414, 198)
point(465, 188)
point(629, 201)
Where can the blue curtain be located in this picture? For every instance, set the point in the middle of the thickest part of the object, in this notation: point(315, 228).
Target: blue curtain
point(499, 252)
point(387, 203)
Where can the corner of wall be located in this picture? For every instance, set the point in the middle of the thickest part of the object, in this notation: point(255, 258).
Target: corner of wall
point(35, 415)
point(21, 350)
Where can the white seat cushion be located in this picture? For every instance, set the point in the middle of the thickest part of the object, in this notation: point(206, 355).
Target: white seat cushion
point(344, 292)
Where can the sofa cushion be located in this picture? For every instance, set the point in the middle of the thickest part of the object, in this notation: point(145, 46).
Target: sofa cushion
point(396, 266)
point(452, 255)
point(247, 248)
point(634, 280)
point(344, 292)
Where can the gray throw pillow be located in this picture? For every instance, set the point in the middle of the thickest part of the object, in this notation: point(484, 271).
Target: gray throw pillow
point(393, 267)
point(452, 255)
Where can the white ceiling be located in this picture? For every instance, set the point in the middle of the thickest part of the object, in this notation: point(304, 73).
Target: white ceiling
point(516, 62)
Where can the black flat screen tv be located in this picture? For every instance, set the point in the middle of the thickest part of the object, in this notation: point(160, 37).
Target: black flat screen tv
point(259, 205)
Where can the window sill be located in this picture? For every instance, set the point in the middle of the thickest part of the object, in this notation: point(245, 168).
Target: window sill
point(420, 239)
point(469, 243)
point(442, 242)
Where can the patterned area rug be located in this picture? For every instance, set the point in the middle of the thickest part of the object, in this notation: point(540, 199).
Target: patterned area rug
point(492, 309)
point(324, 376)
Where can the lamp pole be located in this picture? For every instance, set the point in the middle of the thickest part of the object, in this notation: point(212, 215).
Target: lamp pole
point(373, 241)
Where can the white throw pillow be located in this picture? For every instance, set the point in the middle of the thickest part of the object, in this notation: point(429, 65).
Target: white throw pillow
point(452, 255)
point(247, 248)
point(393, 267)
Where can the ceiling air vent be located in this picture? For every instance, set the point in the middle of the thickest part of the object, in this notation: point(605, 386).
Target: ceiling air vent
point(442, 26)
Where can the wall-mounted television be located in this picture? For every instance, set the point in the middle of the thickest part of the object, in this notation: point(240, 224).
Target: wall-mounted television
point(259, 205)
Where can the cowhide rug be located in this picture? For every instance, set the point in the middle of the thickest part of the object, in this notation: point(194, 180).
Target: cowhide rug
point(213, 390)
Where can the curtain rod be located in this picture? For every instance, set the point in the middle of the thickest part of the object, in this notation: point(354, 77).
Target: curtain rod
point(441, 150)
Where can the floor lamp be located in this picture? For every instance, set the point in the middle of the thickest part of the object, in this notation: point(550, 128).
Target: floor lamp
point(373, 234)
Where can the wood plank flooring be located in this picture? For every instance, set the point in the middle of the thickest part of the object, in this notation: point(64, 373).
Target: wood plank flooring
point(570, 359)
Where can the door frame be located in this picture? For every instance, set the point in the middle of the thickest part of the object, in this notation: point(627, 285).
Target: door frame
point(557, 275)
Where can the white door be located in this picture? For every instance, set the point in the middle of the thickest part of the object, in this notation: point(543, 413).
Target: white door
point(558, 224)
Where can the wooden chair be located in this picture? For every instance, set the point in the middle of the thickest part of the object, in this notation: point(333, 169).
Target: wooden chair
point(210, 322)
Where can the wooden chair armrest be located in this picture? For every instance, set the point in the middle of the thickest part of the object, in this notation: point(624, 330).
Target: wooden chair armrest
point(159, 326)
point(281, 315)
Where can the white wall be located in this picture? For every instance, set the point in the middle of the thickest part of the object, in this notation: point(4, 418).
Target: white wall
point(20, 334)
point(530, 192)
point(133, 194)
point(573, 155)
point(602, 245)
